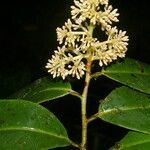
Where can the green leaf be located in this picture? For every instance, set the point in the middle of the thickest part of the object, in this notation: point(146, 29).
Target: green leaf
point(134, 141)
point(131, 73)
point(28, 126)
point(127, 108)
point(43, 90)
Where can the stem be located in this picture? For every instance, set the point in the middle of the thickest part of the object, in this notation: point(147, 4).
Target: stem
point(97, 74)
point(84, 96)
point(73, 144)
point(83, 106)
point(93, 117)
point(74, 93)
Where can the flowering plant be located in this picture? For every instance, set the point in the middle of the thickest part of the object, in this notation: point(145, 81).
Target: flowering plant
point(25, 124)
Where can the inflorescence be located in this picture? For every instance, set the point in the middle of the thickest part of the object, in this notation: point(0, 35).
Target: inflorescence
point(77, 43)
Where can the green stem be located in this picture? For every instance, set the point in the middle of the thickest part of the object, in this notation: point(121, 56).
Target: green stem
point(83, 106)
point(93, 117)
point(84, 95)
point(76, 94)
point(97, 74)
point(74, 144)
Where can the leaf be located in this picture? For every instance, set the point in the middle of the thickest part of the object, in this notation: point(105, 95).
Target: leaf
point(43, 90)
point(131, 73)
point(134, 141)
point(28, 126)
point(127, 108)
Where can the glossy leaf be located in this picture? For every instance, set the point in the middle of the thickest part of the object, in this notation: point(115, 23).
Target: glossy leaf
point(43, 90)
point(131, 73)
point(28, 126)
point(127, 108)
point(134, 141)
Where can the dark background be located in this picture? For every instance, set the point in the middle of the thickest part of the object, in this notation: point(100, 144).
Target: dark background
point(28, 37)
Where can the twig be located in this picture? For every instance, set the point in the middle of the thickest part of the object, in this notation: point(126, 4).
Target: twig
point(93, 117)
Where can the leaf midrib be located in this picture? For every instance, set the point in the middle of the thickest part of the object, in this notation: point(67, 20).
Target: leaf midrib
point(137, 143)
point(121, 109)
point(49, 89)
point(34, 130)
point(125, 72)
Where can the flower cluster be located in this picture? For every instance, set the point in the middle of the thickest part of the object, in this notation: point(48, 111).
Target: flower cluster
point(77, 43)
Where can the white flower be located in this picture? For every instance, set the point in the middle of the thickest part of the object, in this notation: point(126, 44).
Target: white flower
point(63, 63)
point(89, 9)
point(77, 41)
point(77, 69)
point(56, 65)
point(120, 41)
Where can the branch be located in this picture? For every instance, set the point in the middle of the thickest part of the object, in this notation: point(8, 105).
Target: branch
point(97, 74)
point(93, 117)
point(74, 144)
point(74, 93)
